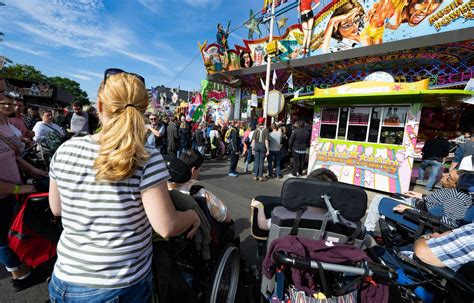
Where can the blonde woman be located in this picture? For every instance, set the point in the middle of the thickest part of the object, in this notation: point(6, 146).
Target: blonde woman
point(111, 191)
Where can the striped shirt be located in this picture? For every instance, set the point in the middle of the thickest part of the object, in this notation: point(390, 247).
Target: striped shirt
point(456, 248)
point(106, 242)
point(454, 203)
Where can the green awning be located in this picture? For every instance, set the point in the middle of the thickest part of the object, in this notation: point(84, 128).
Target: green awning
point(427, 97)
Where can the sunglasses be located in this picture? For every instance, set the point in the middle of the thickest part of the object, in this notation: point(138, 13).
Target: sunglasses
point(152, 119)
point(113, 71)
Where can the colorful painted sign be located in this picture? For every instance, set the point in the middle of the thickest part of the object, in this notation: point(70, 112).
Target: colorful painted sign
point(340, 25)
point(384, 167)
point(371, 87)
point(219, 112)
point(39, 90)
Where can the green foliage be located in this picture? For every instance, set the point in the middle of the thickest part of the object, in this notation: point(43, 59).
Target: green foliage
point(30, 73)
point(71, 87)
point(23, 72)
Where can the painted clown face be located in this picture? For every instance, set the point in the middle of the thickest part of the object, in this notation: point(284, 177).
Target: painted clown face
point(418, 10)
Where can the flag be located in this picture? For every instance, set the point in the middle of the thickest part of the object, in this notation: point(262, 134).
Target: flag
point(263, 84)
point(154, 97)
point(290, 81)
point(297, 93)
point(274, 80)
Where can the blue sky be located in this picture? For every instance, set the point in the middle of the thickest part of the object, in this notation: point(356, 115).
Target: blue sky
point(79, 39)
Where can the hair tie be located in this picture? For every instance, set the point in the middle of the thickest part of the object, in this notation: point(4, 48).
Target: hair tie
point(130, 104)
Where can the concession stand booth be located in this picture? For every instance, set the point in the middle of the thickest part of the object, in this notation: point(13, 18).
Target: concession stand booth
point(370, 102)
point(366, 132)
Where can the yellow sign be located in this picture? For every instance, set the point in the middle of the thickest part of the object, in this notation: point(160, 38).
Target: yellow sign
point(371, 87)
point(272, 47)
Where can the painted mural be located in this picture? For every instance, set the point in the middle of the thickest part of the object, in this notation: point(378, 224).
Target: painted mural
point(338, 25)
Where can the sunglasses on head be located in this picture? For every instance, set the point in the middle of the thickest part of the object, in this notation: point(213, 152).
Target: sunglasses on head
point(113, 71)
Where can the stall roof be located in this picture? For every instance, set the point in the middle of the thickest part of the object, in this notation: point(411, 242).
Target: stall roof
point(428, 97)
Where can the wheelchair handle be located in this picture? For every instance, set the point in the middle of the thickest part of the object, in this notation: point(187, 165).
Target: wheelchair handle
point(368, 269)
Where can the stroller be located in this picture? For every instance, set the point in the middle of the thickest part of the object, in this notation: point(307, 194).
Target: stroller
point(182, 273)
point(305, 247)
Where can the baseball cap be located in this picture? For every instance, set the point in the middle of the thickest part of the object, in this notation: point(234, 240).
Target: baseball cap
point(261, 120)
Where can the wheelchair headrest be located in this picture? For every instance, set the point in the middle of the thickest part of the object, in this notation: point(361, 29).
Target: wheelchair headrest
point(350, 200)
point(466, 182)
point(179, 171)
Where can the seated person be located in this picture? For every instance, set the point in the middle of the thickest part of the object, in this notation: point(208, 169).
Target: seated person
point(322, 174)
point(454, 202)
point(449, 249)
point(194, 160)
point(46, 126)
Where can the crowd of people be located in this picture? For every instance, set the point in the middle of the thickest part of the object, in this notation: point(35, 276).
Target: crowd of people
point(280, 145)
point(105, 181)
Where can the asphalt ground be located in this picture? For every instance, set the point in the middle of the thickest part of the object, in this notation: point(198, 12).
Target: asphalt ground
point(236, 192)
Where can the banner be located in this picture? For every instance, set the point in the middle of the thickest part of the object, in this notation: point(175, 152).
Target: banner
point(340, 25)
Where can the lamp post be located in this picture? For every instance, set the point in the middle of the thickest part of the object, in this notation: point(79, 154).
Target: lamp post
point(269, 62)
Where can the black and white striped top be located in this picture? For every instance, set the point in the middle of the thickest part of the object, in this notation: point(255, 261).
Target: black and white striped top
point(106, 242)
point(454, 203)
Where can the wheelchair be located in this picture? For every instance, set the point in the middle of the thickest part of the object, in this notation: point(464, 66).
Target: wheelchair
point(423, 282)
point(184, 273)
point(291, 273)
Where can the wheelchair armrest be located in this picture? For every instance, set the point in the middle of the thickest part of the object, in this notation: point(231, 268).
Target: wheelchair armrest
point(450, 275)
point(428, 221)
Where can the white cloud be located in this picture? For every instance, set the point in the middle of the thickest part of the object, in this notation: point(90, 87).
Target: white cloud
point(81, 77)
point(91, 74)
point(152, 5)
point(147, 59)
point(203, 3)
point(77, 25)
point(24, 48)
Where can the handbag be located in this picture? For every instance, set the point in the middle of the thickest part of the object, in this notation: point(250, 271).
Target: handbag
point(34, 232)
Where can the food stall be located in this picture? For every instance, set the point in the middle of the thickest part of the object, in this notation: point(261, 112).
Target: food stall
point(366, 132)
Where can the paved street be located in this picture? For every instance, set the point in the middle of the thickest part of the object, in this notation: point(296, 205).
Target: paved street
point(236, 193)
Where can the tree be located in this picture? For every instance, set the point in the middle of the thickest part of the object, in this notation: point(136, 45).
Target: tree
point(30, 73)
point(23, 72)
point(71, 87)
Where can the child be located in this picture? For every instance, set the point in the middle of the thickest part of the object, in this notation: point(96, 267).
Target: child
point(322, 174)
point(194, 160)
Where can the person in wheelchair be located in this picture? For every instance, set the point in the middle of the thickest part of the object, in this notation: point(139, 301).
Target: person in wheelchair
point(194, 159)
point(450, 249)
point(194, 270)
point(453, 201)
point(322, 174)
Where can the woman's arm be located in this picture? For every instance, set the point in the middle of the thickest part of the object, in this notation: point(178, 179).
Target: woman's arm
point(26, 167)
point(164, 217)
point(54, 198)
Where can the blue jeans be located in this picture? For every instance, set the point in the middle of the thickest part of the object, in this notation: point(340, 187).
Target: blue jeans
point(274, 156)
point(260, 151)
point(435, 166)
point(65, 292)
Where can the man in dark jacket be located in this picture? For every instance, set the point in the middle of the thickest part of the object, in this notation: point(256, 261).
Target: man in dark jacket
point(200, 139)
point(434, 152)
point(172, 135)
point(299, 142)
point(234, 148)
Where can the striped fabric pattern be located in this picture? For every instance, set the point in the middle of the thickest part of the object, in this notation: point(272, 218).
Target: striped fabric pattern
point(106, 242)
point(454, 202)
point(456, 248)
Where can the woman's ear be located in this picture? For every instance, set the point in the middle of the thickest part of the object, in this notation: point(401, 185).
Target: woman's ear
point(99, 105)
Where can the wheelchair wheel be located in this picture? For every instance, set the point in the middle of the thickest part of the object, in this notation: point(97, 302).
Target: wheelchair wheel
point(226, 276)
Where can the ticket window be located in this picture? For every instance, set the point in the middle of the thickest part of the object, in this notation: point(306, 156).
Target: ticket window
point(365, 124)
